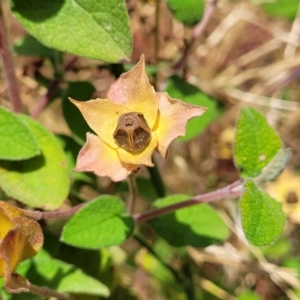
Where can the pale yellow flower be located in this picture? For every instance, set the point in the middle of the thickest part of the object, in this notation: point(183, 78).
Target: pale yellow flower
point(130, 124)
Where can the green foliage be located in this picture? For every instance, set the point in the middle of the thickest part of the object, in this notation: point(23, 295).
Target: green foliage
point(42, 181)
point(29, 46)
point(43, 270)
point(256, 143)
point(282, 8)
point(198, 225)
point(79, 90)
point(87, 28)
point(188, 93)
point(262, 217)
point(16, 139)
point(189, 12)
point(100, 223)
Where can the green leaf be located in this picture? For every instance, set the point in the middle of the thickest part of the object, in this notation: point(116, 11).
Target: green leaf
point(256, 143)
point(188, 93)
point(42, 181)
point(16, 140)
point(102, 222)
point(282, 8)
point(276, 166)
point(94, 29)
point(197, 225)
point(29, 46)
point(83, 91)
point(262, 217)
point(44, 270)
point(189, 12)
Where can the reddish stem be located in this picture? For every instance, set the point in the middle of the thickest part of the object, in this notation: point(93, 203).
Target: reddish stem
point(231, 191)
point(38, 215)
point(8, 66)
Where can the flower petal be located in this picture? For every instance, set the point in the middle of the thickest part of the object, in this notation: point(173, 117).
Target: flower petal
point(11, 251)
point(97, 157)
point(102, 116)
point(10, 210)
point(173, 116)
point(143, 158)
point(6, 224)
point(32, 235)
point(17, 284)
point(134, 91)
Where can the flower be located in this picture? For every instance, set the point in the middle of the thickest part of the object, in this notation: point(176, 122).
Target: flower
point(130, 124)
point(20, 238)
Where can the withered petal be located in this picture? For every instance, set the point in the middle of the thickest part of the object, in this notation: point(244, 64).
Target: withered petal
point(16, 283)
point(6, 223)
point(134, 91)
point(97, 157)
point(32, 235)
point(11, 251)
point(173, 116)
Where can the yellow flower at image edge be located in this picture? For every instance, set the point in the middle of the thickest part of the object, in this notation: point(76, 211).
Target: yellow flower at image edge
point(130, 124)
point(20, 238)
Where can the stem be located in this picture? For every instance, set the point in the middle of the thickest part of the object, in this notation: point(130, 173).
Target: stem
point(43, 101)
point(44, 292)
point(17, 283)
point(197, 31)
point(133, 192)
point(8, 66)
point(157, 181)
point(231, 191)
point(38, 215)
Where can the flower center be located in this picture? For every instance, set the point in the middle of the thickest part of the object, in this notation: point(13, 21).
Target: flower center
point(132, 133)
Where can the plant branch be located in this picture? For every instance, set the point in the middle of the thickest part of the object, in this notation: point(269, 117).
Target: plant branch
point(133, 192)
point(197, 31)
point(17, 283)
point(39, 215)
point(231, 191)
point(8, 66)
point(43, 101)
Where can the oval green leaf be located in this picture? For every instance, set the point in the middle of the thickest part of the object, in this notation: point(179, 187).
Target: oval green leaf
point(262, 217)
point(16, 140)
point(198, 225)
point(94, 29)
point(256, 143)
point(188, 93)
point(44, 270)
point(42, 181)
point(102, 222)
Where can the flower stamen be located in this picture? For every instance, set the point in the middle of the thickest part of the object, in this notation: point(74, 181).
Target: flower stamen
point(132, 132)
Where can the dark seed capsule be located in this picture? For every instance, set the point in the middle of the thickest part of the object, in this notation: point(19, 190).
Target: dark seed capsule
point(132, 133)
